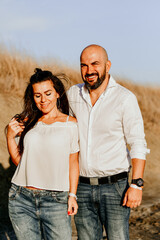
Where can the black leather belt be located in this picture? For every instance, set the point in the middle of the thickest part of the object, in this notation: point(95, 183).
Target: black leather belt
point(103, 180)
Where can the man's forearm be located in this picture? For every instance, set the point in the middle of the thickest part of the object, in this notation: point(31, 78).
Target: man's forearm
point(138, 166)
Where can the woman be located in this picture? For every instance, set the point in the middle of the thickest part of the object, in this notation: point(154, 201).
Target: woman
point(47, 162)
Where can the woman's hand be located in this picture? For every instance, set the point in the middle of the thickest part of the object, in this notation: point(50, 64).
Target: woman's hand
point(73, 179)
point(72, 206)
point(14, 128)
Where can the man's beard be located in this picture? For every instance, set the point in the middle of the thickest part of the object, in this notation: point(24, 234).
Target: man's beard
point(97, 83)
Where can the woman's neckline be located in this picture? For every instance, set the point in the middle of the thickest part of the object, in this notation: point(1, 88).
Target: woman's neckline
point(58, 121)
point(49, 124)
point(43, 123)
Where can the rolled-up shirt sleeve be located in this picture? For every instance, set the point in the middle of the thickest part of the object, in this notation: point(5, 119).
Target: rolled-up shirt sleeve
point(134, 128)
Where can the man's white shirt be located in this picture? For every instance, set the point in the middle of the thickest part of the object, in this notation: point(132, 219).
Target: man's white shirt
point(106, 129)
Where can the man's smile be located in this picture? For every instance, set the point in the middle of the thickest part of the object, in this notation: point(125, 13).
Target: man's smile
point(91, 77)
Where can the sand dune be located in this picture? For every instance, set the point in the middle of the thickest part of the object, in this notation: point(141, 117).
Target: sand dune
point(15, 71)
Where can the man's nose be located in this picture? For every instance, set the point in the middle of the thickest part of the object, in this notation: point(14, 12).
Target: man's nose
point(89, 69)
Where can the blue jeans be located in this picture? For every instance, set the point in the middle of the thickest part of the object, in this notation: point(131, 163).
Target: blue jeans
point(101, 205)
point(39, 214)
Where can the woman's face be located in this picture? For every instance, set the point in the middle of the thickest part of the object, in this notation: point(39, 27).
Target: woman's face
point(45, 96)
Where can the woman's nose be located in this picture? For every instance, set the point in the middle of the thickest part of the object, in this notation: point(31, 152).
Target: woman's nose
point(43, 98)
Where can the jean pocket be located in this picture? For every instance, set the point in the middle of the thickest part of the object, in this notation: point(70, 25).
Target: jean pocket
point(12, 194)
point(121, 186)
point(61, 197)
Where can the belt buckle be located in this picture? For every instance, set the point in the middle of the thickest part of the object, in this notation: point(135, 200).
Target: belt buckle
point(94, 181)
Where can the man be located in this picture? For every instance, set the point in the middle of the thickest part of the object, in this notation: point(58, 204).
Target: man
point(109, 119)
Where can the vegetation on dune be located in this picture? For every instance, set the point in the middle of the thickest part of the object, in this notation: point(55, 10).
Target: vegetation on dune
point(15, 70)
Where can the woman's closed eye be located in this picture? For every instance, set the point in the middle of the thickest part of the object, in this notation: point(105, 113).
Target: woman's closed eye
point(48, 94)
point(37, 95)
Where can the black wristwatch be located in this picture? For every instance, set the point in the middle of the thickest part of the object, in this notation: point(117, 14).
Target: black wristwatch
point(139, 182)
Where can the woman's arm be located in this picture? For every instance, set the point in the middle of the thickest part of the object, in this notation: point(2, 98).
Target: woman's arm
point(14, 128)
point(73, 179)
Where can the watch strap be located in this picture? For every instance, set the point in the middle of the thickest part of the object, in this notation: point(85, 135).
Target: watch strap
point(135, 186)
point(139, 182)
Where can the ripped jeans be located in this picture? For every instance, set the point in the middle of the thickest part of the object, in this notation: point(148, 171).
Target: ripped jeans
point(39, 214)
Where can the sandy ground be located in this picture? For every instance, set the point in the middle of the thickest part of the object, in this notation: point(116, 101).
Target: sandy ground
point(144, 225)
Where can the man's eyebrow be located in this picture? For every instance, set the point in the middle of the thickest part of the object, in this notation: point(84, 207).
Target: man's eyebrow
point(84, 64)
point(95, 62)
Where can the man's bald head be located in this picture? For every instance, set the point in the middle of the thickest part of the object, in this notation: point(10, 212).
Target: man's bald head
point(94, 66)
point(97, 49)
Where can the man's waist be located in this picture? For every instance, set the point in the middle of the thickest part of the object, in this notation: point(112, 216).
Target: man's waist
point(103, 180)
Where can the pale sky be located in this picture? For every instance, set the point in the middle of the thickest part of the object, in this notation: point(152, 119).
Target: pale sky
point(128, 29)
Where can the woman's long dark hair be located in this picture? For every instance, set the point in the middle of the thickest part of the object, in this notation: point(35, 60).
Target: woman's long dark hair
point(31, 113)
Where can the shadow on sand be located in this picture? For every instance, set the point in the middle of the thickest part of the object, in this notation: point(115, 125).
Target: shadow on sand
point(6, 230)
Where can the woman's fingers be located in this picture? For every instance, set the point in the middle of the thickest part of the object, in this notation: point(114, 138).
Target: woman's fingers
point(72, 206)
point(15, 128)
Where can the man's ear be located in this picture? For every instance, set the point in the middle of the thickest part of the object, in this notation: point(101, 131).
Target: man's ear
point(108, 66)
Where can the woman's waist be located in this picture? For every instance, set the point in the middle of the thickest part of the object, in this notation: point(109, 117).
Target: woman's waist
point(35, 189)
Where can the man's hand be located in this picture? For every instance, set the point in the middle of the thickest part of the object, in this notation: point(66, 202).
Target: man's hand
point(132, 198)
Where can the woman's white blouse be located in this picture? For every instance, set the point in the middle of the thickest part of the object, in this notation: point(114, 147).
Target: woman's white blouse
point(45, 160)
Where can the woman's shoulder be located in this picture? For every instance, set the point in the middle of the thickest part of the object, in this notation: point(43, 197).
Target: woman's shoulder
point(72, 119)
point(68, 118)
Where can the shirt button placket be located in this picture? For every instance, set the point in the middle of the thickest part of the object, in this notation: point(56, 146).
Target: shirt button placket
point(89, 139)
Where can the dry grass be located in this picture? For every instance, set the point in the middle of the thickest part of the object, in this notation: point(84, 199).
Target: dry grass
point(15, 70)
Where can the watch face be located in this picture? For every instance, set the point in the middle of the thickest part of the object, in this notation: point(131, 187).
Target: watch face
point(140, 182)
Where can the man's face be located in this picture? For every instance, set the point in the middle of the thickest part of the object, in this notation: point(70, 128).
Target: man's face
point(93, 68)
